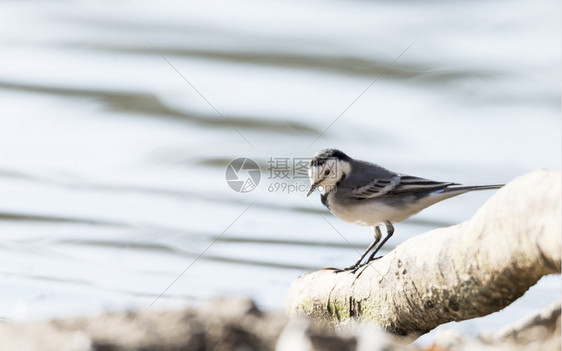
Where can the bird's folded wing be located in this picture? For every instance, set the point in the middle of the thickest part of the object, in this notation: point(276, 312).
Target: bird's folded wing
point(395, 186)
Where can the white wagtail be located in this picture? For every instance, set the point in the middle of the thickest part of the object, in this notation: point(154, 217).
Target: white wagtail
point(367, 194)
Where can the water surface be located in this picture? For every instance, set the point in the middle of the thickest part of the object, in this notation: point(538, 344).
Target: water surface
point(119, 119)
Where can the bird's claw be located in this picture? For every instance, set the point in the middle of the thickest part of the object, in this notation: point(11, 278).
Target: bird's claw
point(351, 268)
point(356, 267)
point(372, 259)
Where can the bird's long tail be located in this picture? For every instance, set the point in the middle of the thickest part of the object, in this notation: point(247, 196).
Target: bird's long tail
point(475, 187)
point(457, 190)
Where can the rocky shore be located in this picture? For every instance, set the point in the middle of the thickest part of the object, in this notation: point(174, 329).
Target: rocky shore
point(236, 324)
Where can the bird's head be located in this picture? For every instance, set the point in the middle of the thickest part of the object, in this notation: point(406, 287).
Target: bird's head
point(326, 169)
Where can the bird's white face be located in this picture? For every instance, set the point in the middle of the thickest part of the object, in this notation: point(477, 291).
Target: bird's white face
point(325, 176)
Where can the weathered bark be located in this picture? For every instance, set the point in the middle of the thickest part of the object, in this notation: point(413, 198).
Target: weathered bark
point(449, 274)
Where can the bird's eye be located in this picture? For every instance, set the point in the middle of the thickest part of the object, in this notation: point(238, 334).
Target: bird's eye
point(326, 172)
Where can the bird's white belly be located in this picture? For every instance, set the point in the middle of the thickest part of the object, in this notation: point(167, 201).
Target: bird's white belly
point(371, 213)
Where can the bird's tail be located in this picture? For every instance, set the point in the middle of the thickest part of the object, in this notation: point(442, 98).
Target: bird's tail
point(466, 188)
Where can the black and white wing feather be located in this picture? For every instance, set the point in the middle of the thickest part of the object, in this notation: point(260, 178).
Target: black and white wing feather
point(399, 185)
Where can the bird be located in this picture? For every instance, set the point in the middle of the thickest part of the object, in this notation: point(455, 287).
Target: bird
point(367, 194)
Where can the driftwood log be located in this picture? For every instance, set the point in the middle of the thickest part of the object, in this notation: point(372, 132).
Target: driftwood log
point(451, 274)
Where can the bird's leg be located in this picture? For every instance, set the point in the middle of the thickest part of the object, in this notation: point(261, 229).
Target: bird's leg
point(389, 232)
point(357, 264)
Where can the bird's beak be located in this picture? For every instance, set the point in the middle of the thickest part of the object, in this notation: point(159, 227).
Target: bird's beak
point(312, 188)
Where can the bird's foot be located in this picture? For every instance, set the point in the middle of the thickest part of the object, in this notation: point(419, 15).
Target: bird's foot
point(354, 270)
point(372, 259)
point(350, 268)
point(360, 266)
point(356, 266)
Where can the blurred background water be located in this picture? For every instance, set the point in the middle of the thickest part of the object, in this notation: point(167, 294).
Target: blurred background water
point(119, 118)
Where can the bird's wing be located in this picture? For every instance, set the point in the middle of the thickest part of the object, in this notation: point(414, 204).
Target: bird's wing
point(395, 186)
point(375, 188)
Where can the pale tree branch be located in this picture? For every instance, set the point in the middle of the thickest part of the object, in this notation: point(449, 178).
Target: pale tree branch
point(451, 274)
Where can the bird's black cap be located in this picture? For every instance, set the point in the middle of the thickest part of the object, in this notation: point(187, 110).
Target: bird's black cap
point(322, 156)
